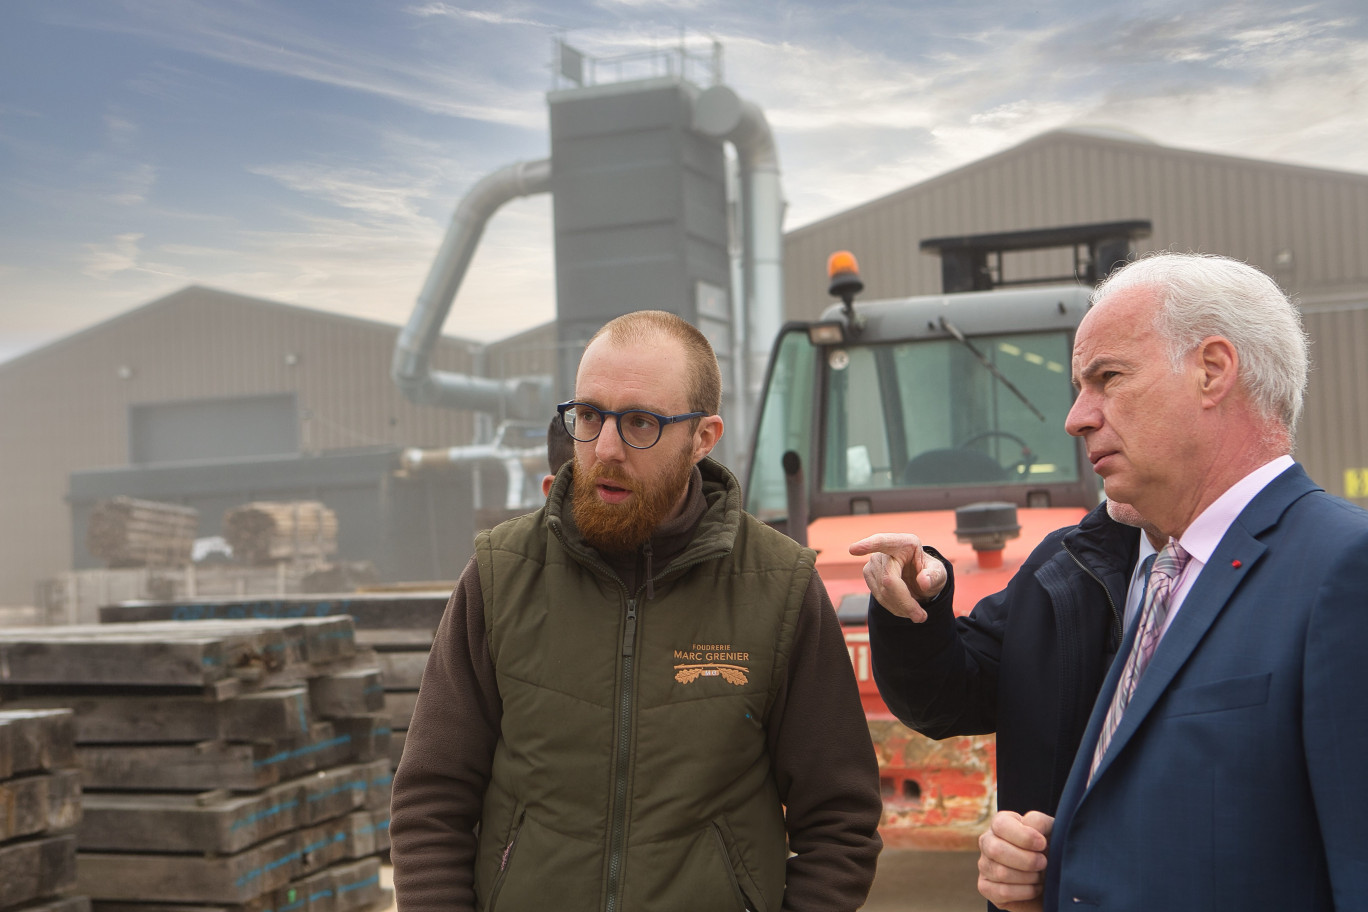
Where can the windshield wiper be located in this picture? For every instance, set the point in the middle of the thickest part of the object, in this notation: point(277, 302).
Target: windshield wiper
point(953, 330)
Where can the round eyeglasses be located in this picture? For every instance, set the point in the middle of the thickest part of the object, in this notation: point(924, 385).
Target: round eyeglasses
point(638, 428)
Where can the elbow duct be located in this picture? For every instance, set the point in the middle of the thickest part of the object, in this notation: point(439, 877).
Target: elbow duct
point(411, 369)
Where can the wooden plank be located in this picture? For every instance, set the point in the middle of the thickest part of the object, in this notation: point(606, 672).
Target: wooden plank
point(407, 610)
point(65, 800)
point(129, 717)
point(399, 707)
point(353, 692)
point(386, 639)
point(267, 714)
point(216, 822)
point(380, 821)
point(263, 903)
point(40, 803)
point(332, 793)
point(230, 879)
point(179, 767)
point(312, 893)
point(19, 873)
point(367, 832)
point(320, 748)
point(402, 670)
point(329, 639)
point(36, 868)
point(322, 845)
point(7, 733)
point(176, 654)
point(263, 531)
point(60, 904)
point(379, 779)
point(368, 736)
point(126, 532)
point(261, 650)
point(117, 658)
point(36, 739)
point(23, 806)
point(360, 834)
point(358, 886)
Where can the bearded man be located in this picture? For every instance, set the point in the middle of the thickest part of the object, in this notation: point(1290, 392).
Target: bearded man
point(639, 697)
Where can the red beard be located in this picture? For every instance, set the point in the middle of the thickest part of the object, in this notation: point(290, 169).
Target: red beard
point(621, 527)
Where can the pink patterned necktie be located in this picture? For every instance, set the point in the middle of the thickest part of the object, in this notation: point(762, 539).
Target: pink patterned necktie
point(1168, 566)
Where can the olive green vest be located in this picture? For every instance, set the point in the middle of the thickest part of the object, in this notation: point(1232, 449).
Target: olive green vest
point(631, 771)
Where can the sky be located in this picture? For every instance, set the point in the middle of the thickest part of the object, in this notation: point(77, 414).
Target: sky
point(313, 151)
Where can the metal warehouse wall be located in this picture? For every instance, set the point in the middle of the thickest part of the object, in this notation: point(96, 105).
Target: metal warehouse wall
point(530, 353)
point(1306, 227)
point(66, 407)
point(1333, 438)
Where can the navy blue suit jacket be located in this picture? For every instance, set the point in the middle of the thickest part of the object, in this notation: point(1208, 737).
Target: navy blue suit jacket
point(1238, 777)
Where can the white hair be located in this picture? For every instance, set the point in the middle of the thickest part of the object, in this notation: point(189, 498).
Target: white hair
point(1203, 295)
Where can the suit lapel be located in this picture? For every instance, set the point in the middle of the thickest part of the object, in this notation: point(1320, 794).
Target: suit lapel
point(1203, 604)
point(1238, 553)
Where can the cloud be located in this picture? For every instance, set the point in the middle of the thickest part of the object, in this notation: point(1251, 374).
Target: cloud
point(864, 101)
point(647, 6)
point(447, 10)
point(133, 185)
point(871, 116)
point(104, 261)
point(269, 40)
point(121, 131)
point(354, 188)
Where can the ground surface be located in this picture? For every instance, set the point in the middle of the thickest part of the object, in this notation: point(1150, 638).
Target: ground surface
point(909, 881)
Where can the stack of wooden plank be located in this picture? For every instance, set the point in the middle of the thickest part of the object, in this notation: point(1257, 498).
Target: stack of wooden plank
point(40, 806)
point(124, 532)
point(399, 626)
point(235, 765)
point(264, 532)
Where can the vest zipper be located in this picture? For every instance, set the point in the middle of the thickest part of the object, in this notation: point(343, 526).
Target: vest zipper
point(617, 838)
point(624, 749)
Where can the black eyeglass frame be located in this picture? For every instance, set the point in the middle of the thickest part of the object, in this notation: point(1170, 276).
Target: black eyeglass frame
point(604, 413)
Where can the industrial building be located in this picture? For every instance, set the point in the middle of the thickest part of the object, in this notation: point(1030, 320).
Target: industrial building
point(243, 399)
point(1306, 227)
point(229, 398)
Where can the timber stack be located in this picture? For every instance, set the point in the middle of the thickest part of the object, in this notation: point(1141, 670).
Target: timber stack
point(40, 806)
point(126, 532)
point(398, 626)
point(266, 532)
point(226, 765)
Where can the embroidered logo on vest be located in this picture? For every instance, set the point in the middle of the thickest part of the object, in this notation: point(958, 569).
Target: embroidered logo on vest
point(712, 661)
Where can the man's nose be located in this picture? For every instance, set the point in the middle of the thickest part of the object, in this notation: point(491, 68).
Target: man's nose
point(1083, 416)
point(610, 447)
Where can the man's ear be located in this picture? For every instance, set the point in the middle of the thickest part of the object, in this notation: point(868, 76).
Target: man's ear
point(1220, 367)
point(547, 481)
point(706, 436)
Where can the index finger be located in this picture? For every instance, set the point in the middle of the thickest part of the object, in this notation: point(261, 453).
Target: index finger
point(894, 544)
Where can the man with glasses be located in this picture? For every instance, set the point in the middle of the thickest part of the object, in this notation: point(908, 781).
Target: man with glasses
point(639, 696)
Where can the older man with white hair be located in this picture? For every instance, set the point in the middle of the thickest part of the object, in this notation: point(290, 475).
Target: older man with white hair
point(1222, 767)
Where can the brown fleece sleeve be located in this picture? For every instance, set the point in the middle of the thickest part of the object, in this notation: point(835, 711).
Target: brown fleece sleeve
point(825, 766)
point(440, 783)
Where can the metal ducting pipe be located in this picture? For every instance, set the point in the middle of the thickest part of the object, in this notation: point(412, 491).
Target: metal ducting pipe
point(522, 397)
point(720, 113)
